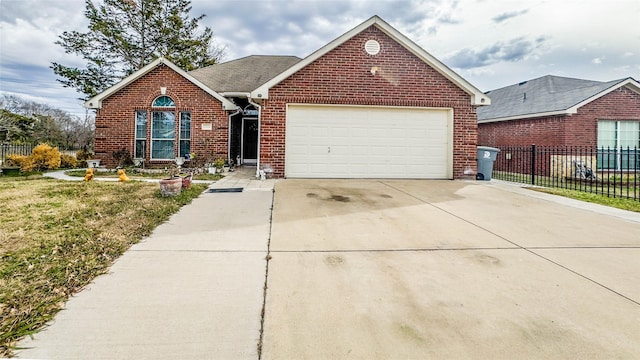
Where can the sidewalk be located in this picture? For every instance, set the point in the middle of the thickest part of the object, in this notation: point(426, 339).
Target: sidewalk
point(526, 190)
point(192, 289)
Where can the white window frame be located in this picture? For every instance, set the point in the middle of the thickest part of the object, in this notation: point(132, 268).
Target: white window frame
point(180, 138)
point(173, 139)
point(136, 138)
point(618, 149)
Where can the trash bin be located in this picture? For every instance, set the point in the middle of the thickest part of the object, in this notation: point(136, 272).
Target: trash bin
point(486, 157)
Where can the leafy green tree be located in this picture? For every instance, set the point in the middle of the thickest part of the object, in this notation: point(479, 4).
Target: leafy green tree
point(125, 35)
point(15, 128)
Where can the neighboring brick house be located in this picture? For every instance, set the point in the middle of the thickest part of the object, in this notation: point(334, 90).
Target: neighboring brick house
point(370, 104)
point(559, 111)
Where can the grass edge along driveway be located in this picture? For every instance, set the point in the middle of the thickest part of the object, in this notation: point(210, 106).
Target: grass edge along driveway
point(57, 236)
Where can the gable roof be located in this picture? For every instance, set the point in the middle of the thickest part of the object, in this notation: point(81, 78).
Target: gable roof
point(547, 96)
point(477, 96)
point(96, 101)
point(245, 74)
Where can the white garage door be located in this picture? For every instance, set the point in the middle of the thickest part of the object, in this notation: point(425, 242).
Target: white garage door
point(368, 142)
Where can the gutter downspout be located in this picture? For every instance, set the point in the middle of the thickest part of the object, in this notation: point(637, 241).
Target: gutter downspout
point(259, 131)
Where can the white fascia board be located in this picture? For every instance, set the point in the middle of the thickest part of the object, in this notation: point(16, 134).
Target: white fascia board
point(96, 101)
point(229, 94)
point(477, 96)
point(226, 103)
point(630, 83)
point(530, 116)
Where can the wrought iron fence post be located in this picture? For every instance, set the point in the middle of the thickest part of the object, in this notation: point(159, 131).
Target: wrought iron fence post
point(533, 164)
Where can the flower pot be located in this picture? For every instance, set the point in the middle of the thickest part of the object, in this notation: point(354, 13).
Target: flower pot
point(171, 187)
point(11, 171)
point(138, 162)
point(186, 182)
point(93, 163)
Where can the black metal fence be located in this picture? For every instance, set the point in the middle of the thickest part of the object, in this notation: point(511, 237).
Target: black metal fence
point(612, 172)
point(10, 149)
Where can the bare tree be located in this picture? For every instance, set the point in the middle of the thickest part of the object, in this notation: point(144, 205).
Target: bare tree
point(30, 121)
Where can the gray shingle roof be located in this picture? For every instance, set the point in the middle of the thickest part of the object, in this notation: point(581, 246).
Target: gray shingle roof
point(543, 95)
point(244, 74)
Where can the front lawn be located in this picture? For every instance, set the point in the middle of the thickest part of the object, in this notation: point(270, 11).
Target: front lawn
point(56, 236)
point(620, 203)
point(138, 174)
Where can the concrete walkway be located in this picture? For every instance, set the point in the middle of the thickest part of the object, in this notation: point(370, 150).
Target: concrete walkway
point(192, 290)
point(61, 175)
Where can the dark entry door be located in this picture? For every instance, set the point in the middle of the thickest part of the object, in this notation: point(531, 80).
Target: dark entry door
point(249, 140)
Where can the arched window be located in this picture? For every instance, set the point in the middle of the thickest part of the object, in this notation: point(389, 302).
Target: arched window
point(163, 101)
point(163, 130)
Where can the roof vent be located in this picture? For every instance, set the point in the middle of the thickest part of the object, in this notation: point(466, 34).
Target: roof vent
point(522, 83)
point(372, 47)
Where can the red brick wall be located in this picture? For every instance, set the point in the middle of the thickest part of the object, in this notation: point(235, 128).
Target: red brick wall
point(540, 131)
point(343, 76)
point(579, 129)
point(620, 104)
point(115, 122)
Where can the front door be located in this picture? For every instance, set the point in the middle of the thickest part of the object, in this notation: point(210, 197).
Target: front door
point(249, 141)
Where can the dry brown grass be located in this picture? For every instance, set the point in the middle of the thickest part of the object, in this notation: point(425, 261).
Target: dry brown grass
point(56, 236)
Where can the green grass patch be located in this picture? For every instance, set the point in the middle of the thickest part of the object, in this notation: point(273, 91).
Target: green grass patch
point(57, 236)
point(620, 203)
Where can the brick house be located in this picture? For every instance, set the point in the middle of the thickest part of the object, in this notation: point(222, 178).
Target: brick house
point(559, 111)
point(370, 104)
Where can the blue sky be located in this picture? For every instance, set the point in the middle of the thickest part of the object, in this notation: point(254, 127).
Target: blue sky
point(492, 43)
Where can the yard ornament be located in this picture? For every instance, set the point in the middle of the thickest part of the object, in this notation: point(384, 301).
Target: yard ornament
point(122, 176)
point(88, 176)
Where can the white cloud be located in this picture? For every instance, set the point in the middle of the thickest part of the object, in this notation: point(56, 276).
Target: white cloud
point(508, 15)
point(500, 39)
point(31, 28)
point(25, 43)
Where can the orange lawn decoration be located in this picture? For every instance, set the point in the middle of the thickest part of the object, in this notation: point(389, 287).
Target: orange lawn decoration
point(88, 176)
point(122, 175)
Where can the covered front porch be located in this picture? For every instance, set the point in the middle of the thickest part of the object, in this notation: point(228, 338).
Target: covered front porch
point(244, 133)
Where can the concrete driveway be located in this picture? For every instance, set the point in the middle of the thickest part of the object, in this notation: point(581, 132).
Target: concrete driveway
point(446, 269)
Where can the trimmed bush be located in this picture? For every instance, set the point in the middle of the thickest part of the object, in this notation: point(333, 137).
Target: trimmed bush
point(122, 157)
point(43, 157)
point(67, 161)
point(15, 160)
point(82, 155)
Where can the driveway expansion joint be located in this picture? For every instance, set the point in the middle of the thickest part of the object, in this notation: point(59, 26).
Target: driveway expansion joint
point(528, 249)
point(266, 278)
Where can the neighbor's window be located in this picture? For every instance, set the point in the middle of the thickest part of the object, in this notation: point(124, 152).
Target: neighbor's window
point(185, 134)
point(141, 134)
point(618, 144)
point(163, 135)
